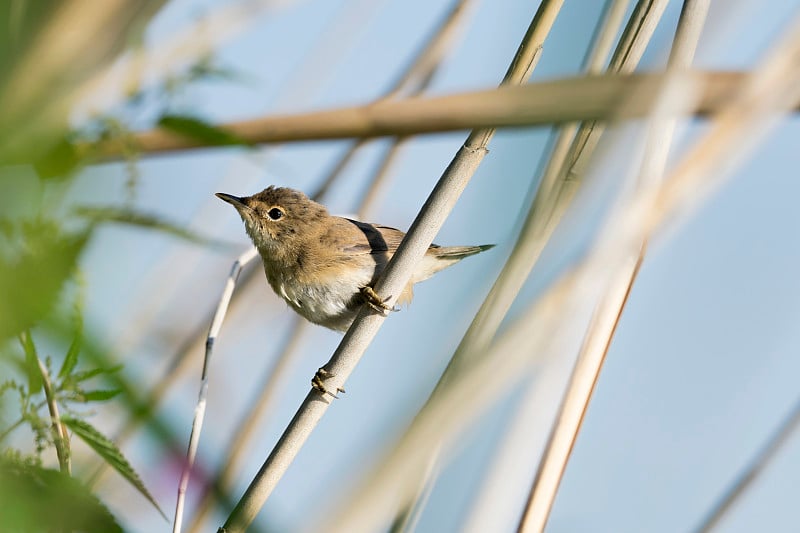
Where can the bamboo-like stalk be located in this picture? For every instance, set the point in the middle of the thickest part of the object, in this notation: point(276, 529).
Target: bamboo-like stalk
point(541, 219)
point(770, 91)
point(744, 480)
point(395, 277)
point(60, 438)
point(644, 19)
point(555, 192)
point(596, 98)
point(549, 204)
point(604, 323)
point(200, 409)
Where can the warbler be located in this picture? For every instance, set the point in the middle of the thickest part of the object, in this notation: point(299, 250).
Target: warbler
point(325, 266)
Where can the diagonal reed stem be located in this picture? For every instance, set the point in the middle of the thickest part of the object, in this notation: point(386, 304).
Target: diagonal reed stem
point(606, 317)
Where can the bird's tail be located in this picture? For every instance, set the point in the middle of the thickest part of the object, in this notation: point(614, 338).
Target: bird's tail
point(459, 252)
point(441, 257)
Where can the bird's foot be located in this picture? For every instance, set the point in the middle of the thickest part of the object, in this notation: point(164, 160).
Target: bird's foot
point(318, 382)
point(374, 301)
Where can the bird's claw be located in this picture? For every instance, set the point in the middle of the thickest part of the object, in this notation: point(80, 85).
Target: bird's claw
point(318, 383)
point(372, 299)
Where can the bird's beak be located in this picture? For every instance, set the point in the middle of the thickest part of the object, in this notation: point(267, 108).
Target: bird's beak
point(235, 201)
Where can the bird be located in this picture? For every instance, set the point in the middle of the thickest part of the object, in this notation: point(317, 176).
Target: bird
point(324, 266)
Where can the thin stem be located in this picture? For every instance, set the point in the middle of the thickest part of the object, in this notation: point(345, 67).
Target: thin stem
point(10, 429)
point(224, 475)
point(200, 409)
point(60, 438)
point(775, 443)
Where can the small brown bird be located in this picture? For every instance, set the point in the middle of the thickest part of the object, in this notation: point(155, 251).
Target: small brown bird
point(324, 266)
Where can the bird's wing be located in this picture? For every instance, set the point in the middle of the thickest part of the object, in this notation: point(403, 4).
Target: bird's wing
point(376, 239)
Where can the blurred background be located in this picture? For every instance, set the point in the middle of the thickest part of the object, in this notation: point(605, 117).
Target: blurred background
point(702, 367)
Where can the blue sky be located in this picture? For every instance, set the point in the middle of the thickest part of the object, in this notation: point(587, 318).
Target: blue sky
point(701, 369)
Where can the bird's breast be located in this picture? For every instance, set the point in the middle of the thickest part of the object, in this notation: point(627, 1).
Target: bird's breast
point(326, 298)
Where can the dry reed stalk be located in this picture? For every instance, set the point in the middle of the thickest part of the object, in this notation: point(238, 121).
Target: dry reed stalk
point(182, 47)
point(549, 204)
point(757, 464)
point(604, 323)
point(593, 98)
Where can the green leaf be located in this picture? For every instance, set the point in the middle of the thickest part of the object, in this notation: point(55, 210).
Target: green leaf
point(77, 377)
point(200, 130)
point(98, 395)
point(72, 356)
point(98, 215)
point(41, 499)
point(31, 363)
point(34, 265)
point(106, 449)
point(59, 161)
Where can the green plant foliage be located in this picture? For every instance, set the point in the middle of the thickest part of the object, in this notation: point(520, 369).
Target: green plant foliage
point(60, 161)
point(36, 499)
point(31, 363)
point(99, 215)
point(71, 359)
point(195, 128)
point(36, 259)
point(110, 453)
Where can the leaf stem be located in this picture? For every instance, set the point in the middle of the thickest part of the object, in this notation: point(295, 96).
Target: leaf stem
point(59, 435)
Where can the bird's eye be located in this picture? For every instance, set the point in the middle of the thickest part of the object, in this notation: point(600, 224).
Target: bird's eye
point(275, 213)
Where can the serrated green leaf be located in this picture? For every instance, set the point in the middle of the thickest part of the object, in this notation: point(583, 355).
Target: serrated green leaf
point(106, 449)
point(71, 358)
point(98, 395)
point(98, 215)
point(195, 128)
point(32, 369)
point(77, 377)
point(41, 499)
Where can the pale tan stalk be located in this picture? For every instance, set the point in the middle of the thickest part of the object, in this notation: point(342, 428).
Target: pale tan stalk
point(595, 98)
point(604, 323)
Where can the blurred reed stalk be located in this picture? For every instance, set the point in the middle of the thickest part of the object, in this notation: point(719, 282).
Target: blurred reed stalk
point(37, 93)
point(541, 219)
point(536, 104)
point(755, 467)
point(769, 93)
point(138, 68)
point(394, 278)
point(601, 329)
